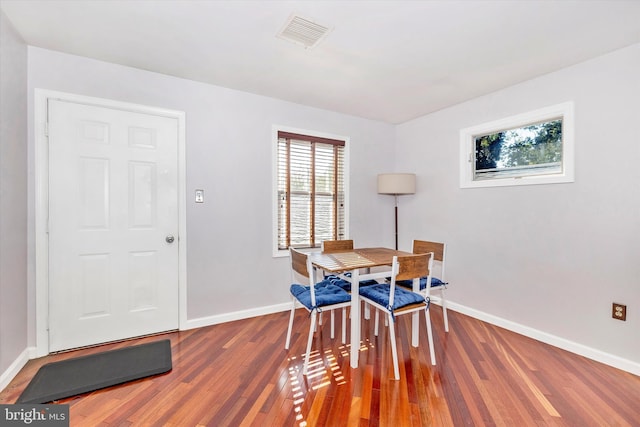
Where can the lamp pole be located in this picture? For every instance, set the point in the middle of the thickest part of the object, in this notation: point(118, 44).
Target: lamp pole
point(396, 184)
point(396, 197)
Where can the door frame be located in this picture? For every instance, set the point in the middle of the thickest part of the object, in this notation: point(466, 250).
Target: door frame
point(41, 202)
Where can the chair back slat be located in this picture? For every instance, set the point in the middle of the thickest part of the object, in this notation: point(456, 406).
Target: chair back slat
point(299, 262)
point(424, 247)
point(414, 266)
point(329, 246)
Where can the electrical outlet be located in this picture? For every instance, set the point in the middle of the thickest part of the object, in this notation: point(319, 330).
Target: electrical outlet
point(619, 311)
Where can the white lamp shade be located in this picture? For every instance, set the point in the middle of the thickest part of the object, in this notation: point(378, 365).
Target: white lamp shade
point(397, 183)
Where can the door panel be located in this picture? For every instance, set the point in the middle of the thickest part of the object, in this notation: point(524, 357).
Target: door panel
point(112, 201)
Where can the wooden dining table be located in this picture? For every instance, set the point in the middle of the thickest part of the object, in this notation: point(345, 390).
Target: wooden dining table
point(353, 261)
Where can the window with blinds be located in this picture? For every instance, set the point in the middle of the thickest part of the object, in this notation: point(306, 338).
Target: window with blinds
point(311, 194)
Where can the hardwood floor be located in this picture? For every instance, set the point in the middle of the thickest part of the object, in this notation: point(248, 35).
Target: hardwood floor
point(238, 374)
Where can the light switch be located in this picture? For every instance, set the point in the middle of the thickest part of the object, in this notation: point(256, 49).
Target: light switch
point(199, 196)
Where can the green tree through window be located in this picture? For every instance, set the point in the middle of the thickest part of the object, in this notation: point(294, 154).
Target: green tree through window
point(531, 149)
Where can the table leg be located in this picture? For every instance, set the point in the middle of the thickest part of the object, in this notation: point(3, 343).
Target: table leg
point(415, 318)
point(367, 307)
point(355, 317)
point(415, 328)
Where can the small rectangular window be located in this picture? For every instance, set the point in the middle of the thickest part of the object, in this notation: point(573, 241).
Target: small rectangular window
point(529, 150)
point(532, 148)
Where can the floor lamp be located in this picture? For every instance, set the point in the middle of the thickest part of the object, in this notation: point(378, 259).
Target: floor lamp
point(396, 184)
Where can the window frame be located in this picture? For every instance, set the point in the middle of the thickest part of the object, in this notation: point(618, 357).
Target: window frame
point(467, 148)
point(276, 129)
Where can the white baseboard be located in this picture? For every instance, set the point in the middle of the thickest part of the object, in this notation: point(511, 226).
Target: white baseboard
point(573, 347)
point(236, 315)
point(15, 367)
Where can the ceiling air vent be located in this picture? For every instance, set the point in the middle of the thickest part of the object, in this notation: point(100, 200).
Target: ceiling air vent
point(303, 31)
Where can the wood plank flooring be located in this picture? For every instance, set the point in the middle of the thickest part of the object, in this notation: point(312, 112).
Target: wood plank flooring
point(238, 374)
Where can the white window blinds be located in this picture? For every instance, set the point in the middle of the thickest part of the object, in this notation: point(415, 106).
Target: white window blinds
point(310, 190)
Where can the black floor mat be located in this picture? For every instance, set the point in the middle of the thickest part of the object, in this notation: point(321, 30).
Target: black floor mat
point(66, 378)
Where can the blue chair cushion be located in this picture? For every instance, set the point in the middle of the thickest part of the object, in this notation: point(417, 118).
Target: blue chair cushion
point(369, 282)
point(347, 285)
point(326, 294)
point(341, 283)
point(435, 282)
point(380, 294)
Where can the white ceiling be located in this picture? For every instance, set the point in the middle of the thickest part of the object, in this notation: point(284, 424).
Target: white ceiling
point(384, 60)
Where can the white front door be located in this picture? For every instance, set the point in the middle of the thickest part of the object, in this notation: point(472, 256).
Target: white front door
point(113, 224)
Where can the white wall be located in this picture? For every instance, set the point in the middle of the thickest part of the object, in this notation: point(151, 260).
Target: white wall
point(13, 197)
point(229, 253)
point(548, 258)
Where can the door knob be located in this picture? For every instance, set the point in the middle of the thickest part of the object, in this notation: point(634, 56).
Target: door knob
point(169, 238)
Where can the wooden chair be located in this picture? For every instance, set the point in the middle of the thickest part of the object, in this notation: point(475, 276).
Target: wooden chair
point(330, 246)
point(314, 298)
point(397, 301)
point(438, 279)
